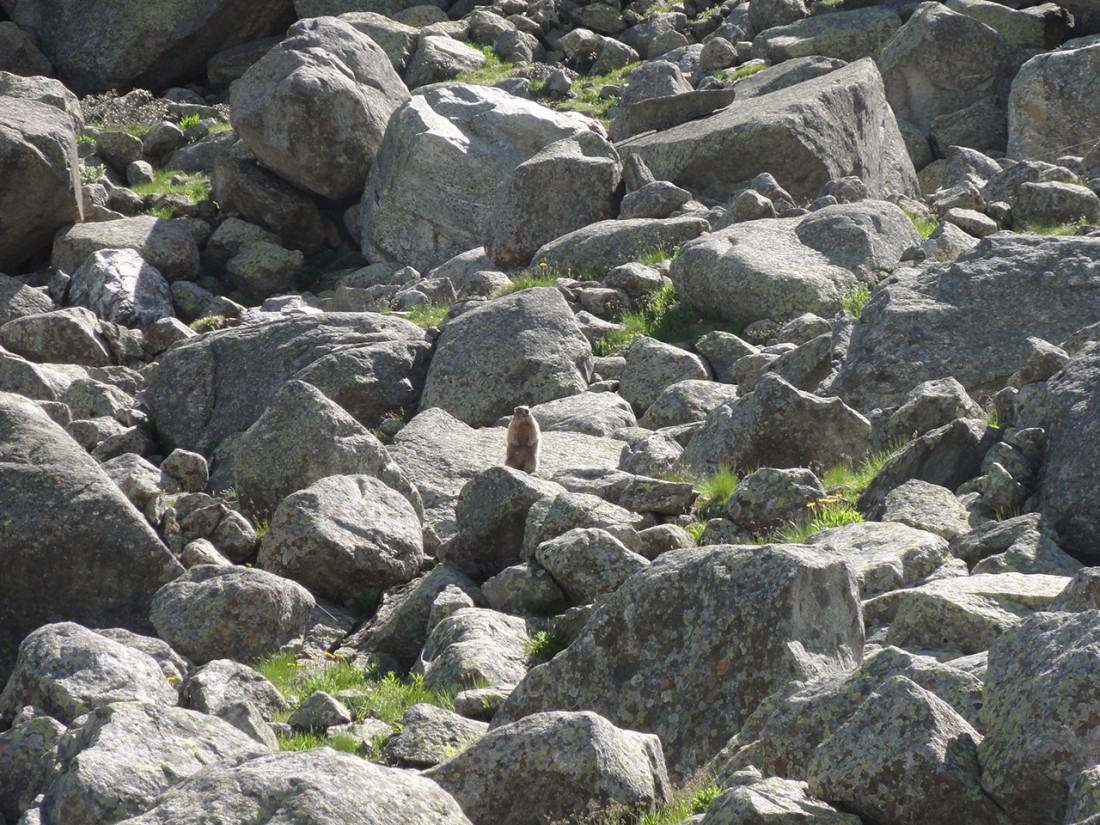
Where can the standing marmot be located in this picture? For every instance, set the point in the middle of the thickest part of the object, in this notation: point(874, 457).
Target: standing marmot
point(523, 441)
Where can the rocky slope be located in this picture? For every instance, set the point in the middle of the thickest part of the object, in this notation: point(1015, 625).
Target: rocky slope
point(261, 330)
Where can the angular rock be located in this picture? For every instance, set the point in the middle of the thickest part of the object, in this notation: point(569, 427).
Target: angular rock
point(343, 537)
point(551, 517)
point(474, 646)
point(52, 571)
point(267, 612)
point(1049, 107)
point(441, 164)
point(619, 666)
point(601, 246)
point(213, 386)
point(222, 682)
point(115, 761)
point(28, 754)
point(1007, 288)
point(930, 405)
point(430, 735)
point(318, 712)
point(769, 499)
point(438, 59)
point(778, 425)
point(928, 507)
point(685, 402)
point(17, 299)
point(587, 563)
point(593, 413)
point(885, 555)
point(41, 189)
point(119, 286)
point(752, 799)
point(64, 336)
point(314, 108)
point(528, 350)
point(798, 134)
point(524, 589)
point(167, 245)
point(569, 764)
point(844, 35)
point(653, 365)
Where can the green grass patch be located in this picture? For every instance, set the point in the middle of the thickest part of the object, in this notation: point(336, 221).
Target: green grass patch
point(696, 529)
point(492, 72)
point(855, 299)
point(545, 276)
point(429, 316)
point(660, 315)
point(1060, 229)
point(657, 255)
point(308, 740)
point(189, 121)
point(831, 511)
point(852, 478)
point(925, 224)
point(196, 186)
point(714, 490)
point(545, 645)
point(208, 324)
point(690, 801)
point(163, 212)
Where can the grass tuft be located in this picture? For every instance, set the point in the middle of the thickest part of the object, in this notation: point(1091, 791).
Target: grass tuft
point(429, 316)
point(195, 186)
point(925, 224)
point(831, 511)
point(852, 478)
point(855, 299)
point(714, 490)
point(545, 645)
point(1059, 229)
point(660, 315)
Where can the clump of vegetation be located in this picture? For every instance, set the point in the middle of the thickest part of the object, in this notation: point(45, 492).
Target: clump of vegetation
point(831, 511)
point(209, 323)
point(855, 299)
point(492, 72)
point(90, 173)
point(542, 275)
point(657, 255)
point(852, 478)
point(195, 187)
point(714, 490)
point(1060, 229)
point(747, 70)
point(660, 315)
point(925, 223)
point(686, 802)
point(428, 316)
point(189, 121)
point(545, 645)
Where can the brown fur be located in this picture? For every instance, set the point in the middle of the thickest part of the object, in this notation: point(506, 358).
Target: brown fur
point(523, 441)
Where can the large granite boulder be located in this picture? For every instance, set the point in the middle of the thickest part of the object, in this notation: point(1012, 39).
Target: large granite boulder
point(314, 787)
point(806, 135)
point(844, 35)
point(167, 245)
point(118, 285)
point(128, 43)
point(779, 268)
point(441, 165)
point(689, 646)
point(18, 299)
point(474, 646)
point(568, 764)
point(218, 384)
point(314, 108)
point(73, 335)
point(38, 164)
point(1052, 107)
point(524, 348)
point(73, 546)
point(1007, 288)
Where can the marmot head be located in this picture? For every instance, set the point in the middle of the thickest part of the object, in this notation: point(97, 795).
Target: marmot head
point(522, 412)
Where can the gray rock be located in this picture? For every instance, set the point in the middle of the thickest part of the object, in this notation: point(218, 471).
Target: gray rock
point(652, 366)
point(686, 402)
point(399, 627)
point(318, 712)
point(753, 799)
point(1015, 545)
point(188, 468)
point(778, 425)
point(722, 350)
point(396, 39)
point(431, 735)
point(845, 35)
point(762, 134)
point(167, 245)
point(885, 555)
point(787, 266)
point(549, 518)
point(41, 187)
point(1052, 202)
point(524, 589)
point(314, 108)
point(222, 682)
point(593, 413)
point(1048, 107)
point(1037, 27)
point(768, 499)
point(567, 185)
point(42, 468)
point(781, 735)
point(756, 595)
point(1082, 798)
point(1029, 286)
point(438, 59)
point(369, 364)
point(771, 13)
point(474, 646)
point(528, 348)
point(115, 761)
point(658, 199)
point(64, 336)
point(431, 193)
point(928, 507)
point(175, 668)
point(18, 299)
point(66, 670)
point(439, 454)
point(28, 753)
point(601, 246)
point(587, 563)
point(119, 286)
point(569, 764)
point(262, 270)
point(19, 54)
point(634, 492)
point(314, 787)
point(344, 536)
point(967, 614)
point(1067, 488)
point(1082, 593)
point(1039, 688)
point(930, 405)
point(902, 768)
point(940, 62)
point(268, 611)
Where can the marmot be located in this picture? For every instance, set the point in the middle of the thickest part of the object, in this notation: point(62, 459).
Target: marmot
point(523, 441)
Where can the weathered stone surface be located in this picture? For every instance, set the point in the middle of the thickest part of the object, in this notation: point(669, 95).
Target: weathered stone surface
point(824, 128)
point(524, 589)
point(441, 164)
point(472, 647)
point(18, 299)
point(119, 285)
point(653, 365)
point(593, 413)
point(430, 735)
point(396, 39)
point(928, 507)
point(167, 245)
point(641, 661)
point(569, 764)
point(551, 517)
point(524, 348)
point(1050, 106)
point(568, 184)
point(780, 268)
point(1052, 203)
point(930, 405)
point(686, 402)
point(266, 612)
point(344, 536)
point(769, 499)
point(439, 454)
point(750, 799)
point(65, 336)
point(39, 166)
point(208, 388)
point(439, 58)
point(1016, 545)
point(51, 570)
point(778, 425)
point(587, 563)
point(115, 761)
point(223, 682)
point(967, 614)
point(28, 754)
point(314, 787)
point(314, 108)
point(66, 670)
point(845, 35)
point(601, 246)
point(783, 732)
point(123, 45)
point(1040, 693)
point(904, 757)
point(885, 555)
point(18, 53)
point(1007, 288)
